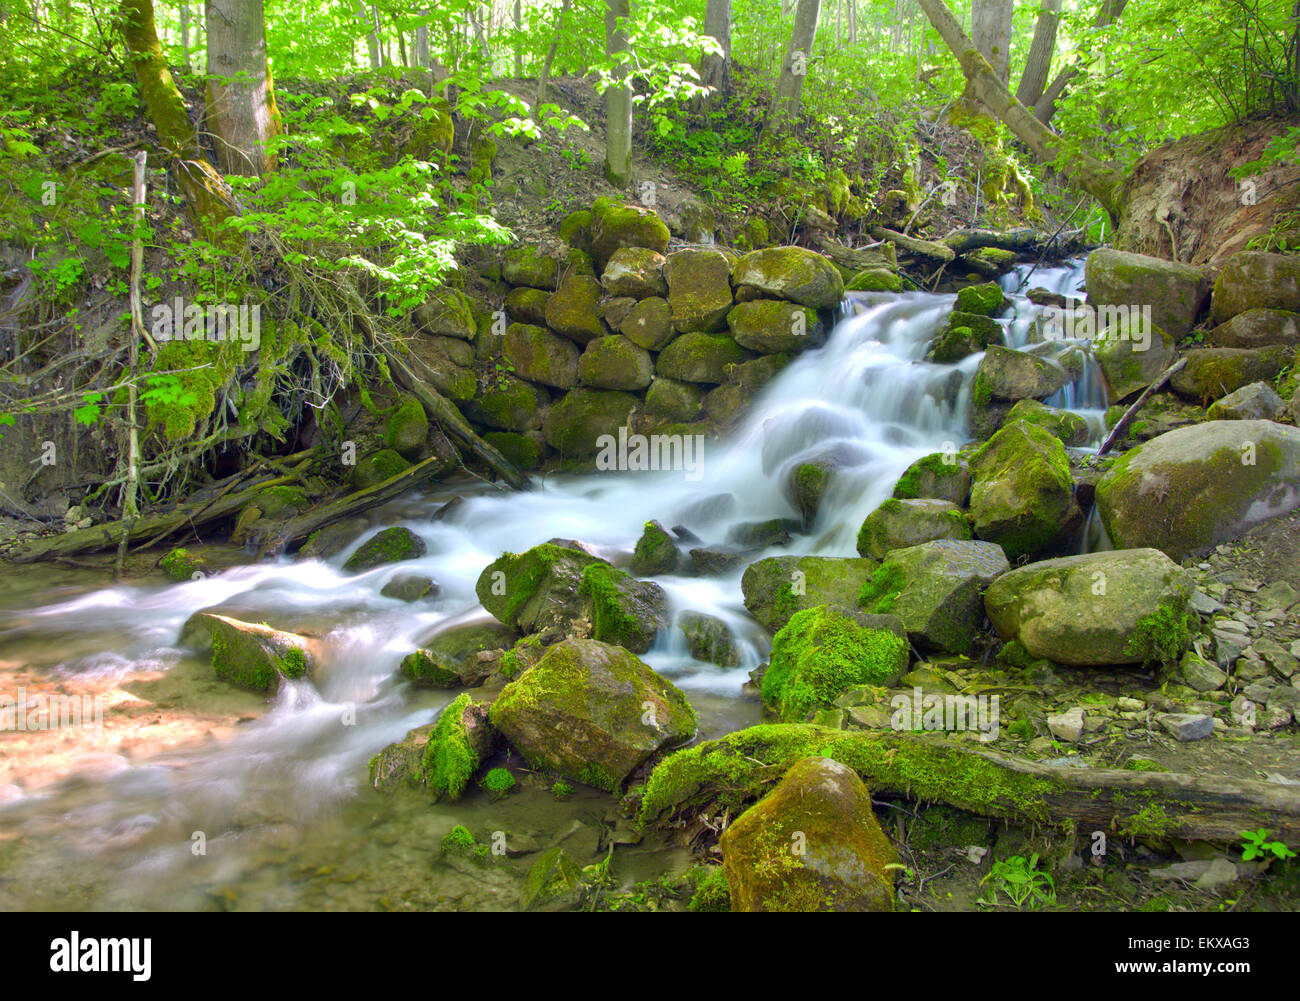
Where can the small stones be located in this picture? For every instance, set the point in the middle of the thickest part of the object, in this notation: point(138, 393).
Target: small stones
point(1067, 726)
point(1186, 726)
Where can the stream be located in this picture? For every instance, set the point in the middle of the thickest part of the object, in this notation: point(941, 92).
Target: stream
point(279, 802)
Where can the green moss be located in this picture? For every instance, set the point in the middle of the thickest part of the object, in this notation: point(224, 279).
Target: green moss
point(1163, 635)
point(981, 393)
point(378, 467)
point(392, 545)
point(985, 299)
point(498, 781)
point(1149, 822)
point(459, 841)
point(519, 449)
point(820, 653)
point(1144, 765)
point(881, 591)
point(275, 502)
point(425, 668)
point(712, 894)
point(180, 564)
point(449, 759)
point(611, 622)
point(561, 789)
point(874, 280)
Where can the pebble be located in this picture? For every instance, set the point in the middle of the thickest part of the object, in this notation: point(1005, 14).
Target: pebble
point(1067, 726)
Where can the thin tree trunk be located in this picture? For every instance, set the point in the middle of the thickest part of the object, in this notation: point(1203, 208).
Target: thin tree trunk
point(185, 33)
point(241, 111)
point(1045, 106)
point(550, 57)
point(519, 45)
point(1039, 61)
point(715, 71)
point(618, 100)
point(789, 88)
point(422, 46)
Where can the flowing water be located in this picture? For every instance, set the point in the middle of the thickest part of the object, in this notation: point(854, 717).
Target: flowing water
point(274, 810)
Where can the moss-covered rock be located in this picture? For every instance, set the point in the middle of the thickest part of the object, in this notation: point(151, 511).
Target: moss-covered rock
point(251, 655)
point(723, 405)
point(446, 313)
point(699, 289)
point(636, 272)
point(460, 741)
point(575, 424)
point(769, 326)
point(572, 311)
point(1023, 493)
point(407, 430)
point(649, 324)
point(427, 670)
point(1006, 374)
point(790, 273)
point(1120, 607)
point(1249, 403)
point(392, 545)
point(592, 712)
point(525, 451)
point(1201, 485)
point(807, 486)
point(397, 766)
point(527, 305)
point(614, 226)
point(536, 354)
point(936, 590)
point(942, 475)
point(1064, 425)
point(778, 586)
point(510, 405)
point(897, 524)
point(700, 357)
point(409, 587)
point(965, 334)
point(1175, 292)
point(624, 611)
point(575, 230)
point(874, 280)
point(1256, 280)
point(656, 552)
point(710, 639)
point(1131, 360)
point(1215, 372)
point(671, 400)
point(824, 651)
point(537, 589)
point(1257, 328)
point(446, 364)
point(181, 564)
point(377, 467)
point(986, 299)
point(614, 362)
point(528, 267)
point(812, 844)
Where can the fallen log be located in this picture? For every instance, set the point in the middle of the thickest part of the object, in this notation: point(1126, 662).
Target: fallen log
point(910, 244)
point(864, 259)
point(963, 241)
point(732, 771)
point(1122, 424)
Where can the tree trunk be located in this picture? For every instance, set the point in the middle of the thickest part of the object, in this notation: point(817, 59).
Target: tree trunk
point(991, 33)
point(1045, 106)
point(789, 88)
point(241, 111)
point(550, 57)
point(1098, 179)
point(618, 100)
point(519, 45)
point(185, 33)
point(1039, 61)
point(715, 71)
point(422, 46)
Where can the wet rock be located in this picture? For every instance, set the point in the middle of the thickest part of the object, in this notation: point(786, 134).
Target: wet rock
point(377, 467)
point(181, 565)
point(392, 545)
point(807, 485)
point(812, 844)
point(510, 405)
point(708, 638)
point(614, 362)
point(334, 538)
point(407, 430)
point(540, 356)
point(571, 311)
point(1064, 425)
point(537, 589)
point(713, 561)
point(898, 524)
point(1011, 375)
point(1249, 403)
point(671, 400)
point(576, 424)
point(656, 552)
point(592, 712)
point(777, 587)
point(1131, 361)
point(769, 326)
point(791, 273)
point(460, 741)
point(762, 534)
point(965, 334)
point(1175, 292)
point(874, 280)
point(700, 357)
point(941, 475)
point(248, 654)
point(398, 765)
point(636, 272)
point(624, 610)
point(1023, 492)
point(986, 299)
point(409, 587)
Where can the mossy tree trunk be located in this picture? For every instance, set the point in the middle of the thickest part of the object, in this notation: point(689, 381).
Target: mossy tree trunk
point(1098, 179)
point(618, 98)
point(241, 112)
point(1045, 105)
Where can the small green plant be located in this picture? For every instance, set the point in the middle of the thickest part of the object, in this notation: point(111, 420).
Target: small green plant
point(1021, 881)
point(1257, 845)
point(562, 790)
point(498, 782)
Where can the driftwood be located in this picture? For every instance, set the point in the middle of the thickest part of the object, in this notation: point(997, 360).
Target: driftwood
point(1122, 424)
point(880, 256)
point(918, 248)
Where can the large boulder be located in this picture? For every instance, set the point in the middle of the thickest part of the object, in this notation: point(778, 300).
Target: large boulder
point(538, 355)
point(671, 400)
point(576, 423)
point(942, 475)
point(527, 267)
point(537, 589)
point(446, 313)
point(649, 324)
point(392, 545)
point(1007, 374)
point(628, 612)
point(1256, 280)
point(1132, 359)
point(1064, 425)
point(965, 334)
point(510, 405)
point(614, 362)
point(1257, 328)
point(897, 524)
point(824, 651)
point(700, 357)
point(791, 273)
point(571, 311)
point(769, 326)
point(591, 712)
point(1120, 607)
point(777, 587)
point(1175, 292)
point(699, 289)
point(936, 590)
point(1197, 486)
point(635, 272)
point(1023, 493)
point(249, 654)
point(614, 226)
point(811, 844)
point(1215, 372)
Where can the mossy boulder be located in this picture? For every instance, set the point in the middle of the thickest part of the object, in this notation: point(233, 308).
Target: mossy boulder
point(1121, 607)
point(965, 334)
point(758, 372)
point(1066, 426)
point(528, 267)
point(941, 475)
point(637, 272)
point(777, 587)
point(572, 311)
point(1132, 359)
point(593, 712)
point(407, 430)
point(181, 564)
point(1023, 493)
point(1197, 486)
point(575, 229)
point(614, 311)
point(897, 524)
point(536, 354)
point(1256, 280)
point(577, 422)
point(447, 365)
point(537, 589)
point(1257, 328)
point(460, 741)
point(614, 362)
point(377, 467)
point(614, 226)
point(1249, 403)
point(525, 451)
point(699, 289)
point(649, 324)
point(824, 651)
point(770, 326)
point(874, 280)
point(790, 273)
point(700, 357)
point(426, 670)
point(527, 305)
point(509, 405)
point(656, 552)
point(1215, 372)
point(1006, 374)
point(397, 766)
point(986, 299)
point(446, 313)
point(392, 545)
point(709, 639)
point(409, 587)
point(1175, 292)
point(251, 655)
point(936, 590)
point(450, 656)
point(807, 485)
point(671, 400)
point(811, 844)
point(625, 611)
point(724, 404)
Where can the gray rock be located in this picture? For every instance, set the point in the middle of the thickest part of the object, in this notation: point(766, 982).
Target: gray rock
point(1067, 726)
point(1185, 726)
point(1200, 674)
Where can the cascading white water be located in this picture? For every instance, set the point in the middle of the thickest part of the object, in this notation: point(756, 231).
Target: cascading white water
point(866, 399)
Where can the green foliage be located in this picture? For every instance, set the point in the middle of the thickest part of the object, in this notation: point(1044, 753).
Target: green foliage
point(1257, 845)
point(1020, 879)
point(498, 782)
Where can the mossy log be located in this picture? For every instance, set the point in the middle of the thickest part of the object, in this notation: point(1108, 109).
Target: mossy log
point(965, 240)
point(916, 247)
point(880, 256)
point(735, 770)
